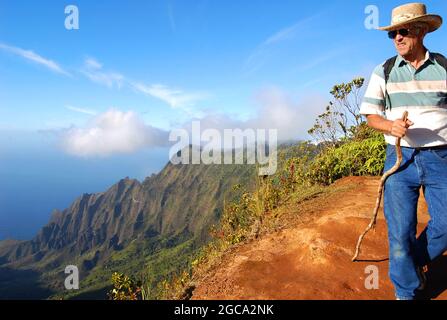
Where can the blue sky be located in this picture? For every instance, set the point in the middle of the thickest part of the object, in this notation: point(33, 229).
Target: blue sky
point(150, 66)
point(220, 52)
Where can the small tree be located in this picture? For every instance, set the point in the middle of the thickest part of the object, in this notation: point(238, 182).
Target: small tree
point(327, 126)
point(347, 100)
point(341, 117)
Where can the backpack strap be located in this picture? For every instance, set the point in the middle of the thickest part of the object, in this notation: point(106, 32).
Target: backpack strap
point(387, 67)
point(441, 60)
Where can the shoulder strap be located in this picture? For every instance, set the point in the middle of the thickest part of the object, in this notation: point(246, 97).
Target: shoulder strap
point(441, 60)
point(387, 67)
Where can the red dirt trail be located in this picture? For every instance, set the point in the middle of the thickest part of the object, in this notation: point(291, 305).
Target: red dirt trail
point(312, 260)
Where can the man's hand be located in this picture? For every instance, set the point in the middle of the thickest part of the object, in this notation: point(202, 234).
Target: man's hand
point(399, 128)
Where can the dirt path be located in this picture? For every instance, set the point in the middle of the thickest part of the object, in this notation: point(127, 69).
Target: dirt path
point(313, 260)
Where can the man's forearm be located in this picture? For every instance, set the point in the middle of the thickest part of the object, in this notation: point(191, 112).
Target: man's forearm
point(380, 123)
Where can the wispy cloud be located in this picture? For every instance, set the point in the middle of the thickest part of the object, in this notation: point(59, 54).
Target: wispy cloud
point(261, 54)
point(34, 57)
point(329, 55)
point(171, 17)
point(176, 98)
point(91, 63)
point(288, 32)
point(93, 70)
point(81, 110)
point(311, 83)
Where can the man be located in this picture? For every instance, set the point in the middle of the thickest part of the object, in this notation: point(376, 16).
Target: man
point(414, 81)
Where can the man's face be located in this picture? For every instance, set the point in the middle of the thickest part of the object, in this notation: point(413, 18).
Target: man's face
point(406, 45)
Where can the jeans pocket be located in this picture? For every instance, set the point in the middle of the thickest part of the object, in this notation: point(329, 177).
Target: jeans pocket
point(441, 154)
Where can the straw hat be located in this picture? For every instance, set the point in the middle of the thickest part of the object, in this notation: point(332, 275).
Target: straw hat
point(411, 13)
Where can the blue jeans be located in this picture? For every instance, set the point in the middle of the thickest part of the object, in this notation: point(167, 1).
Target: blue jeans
point(426, 168)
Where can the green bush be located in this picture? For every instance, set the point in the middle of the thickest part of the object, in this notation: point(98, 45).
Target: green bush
point(125, 288)
point(356, 157)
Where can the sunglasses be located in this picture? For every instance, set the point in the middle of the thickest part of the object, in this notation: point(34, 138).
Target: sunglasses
point(402, 32)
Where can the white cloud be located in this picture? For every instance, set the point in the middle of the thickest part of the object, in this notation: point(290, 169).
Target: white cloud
point(34, 57)
point(93, 70)
point(112, 132)
point(81, 110)
point(275, 110)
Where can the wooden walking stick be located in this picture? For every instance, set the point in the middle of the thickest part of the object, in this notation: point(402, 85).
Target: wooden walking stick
point(385, 176)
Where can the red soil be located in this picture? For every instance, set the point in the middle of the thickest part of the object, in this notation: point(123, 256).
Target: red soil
point(312, 260)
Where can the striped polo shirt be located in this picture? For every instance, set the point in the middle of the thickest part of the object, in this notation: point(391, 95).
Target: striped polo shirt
point(422, 92)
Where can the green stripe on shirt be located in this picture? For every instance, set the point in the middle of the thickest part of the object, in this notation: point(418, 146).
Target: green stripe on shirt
point(377, 102)
point(421, 99)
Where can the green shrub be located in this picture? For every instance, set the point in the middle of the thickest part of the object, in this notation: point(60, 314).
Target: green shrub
point(357, 157)
point(125, 288)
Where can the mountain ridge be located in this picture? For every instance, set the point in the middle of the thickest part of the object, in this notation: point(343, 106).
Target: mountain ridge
point(179, 203)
